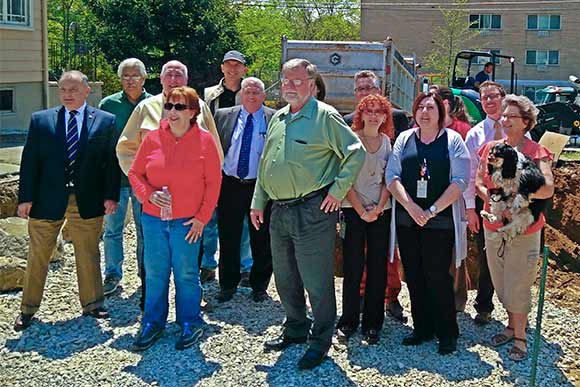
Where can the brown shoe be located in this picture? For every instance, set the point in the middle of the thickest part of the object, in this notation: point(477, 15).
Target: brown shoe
point(23, 321)
point(99, 313)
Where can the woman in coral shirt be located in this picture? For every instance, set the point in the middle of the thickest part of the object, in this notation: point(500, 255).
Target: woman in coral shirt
point(176, 175)
point(513, 266)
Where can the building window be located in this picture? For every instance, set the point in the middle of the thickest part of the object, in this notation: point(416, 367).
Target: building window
point(15, 12)
point(485, 22)
point(543, 57)
point(6, 100)
point(543, 22)
point(481, 60)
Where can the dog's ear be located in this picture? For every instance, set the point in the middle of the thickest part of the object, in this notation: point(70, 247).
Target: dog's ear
point(510, 163)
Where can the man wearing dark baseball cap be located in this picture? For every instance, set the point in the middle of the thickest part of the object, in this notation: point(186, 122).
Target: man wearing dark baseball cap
point(223, 95)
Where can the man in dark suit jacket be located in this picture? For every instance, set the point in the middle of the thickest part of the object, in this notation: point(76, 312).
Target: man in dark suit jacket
point(366, 83)
point(242, 131)
point(68, 171)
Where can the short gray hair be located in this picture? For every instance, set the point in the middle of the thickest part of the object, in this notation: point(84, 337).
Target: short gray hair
point(527, 109)
point(174, 63)
point(254, 80)
point(132, 63)
point(74, 75)
point(296, 63)
point(368, 74)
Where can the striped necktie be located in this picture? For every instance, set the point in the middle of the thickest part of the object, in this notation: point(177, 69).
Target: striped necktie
point(72, 143)
point(245, 149)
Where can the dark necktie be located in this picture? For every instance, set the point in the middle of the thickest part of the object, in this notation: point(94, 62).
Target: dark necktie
point(245, 149)
point(72, 143)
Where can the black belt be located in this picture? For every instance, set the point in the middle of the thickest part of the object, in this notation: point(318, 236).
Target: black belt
point(238, 180)
point(294, 202)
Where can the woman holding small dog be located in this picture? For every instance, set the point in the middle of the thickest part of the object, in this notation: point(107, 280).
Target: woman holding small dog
point(513, 265)
point(426, 174)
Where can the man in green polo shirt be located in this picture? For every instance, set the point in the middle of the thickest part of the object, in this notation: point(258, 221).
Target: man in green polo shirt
point(310, 161)
point(132, 73)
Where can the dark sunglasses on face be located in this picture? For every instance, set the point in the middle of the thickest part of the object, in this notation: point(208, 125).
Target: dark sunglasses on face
point(178, 106)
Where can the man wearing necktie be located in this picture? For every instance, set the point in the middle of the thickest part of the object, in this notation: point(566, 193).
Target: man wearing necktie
point(490, 129)
point(68, 171)
point(242, 131)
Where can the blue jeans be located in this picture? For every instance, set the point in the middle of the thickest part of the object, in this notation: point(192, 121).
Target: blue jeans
point(166, 249)
point(113, 238)
point(210, 243)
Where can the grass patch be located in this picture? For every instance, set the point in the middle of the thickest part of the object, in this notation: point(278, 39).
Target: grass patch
point(570, 156)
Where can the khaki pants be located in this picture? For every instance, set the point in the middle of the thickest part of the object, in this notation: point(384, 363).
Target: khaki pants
point(514, 273)
point(85, 235)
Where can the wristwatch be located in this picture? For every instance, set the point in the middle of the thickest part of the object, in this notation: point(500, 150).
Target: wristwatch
point(433, 210)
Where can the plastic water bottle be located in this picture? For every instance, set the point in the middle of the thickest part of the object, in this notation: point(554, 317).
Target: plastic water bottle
point(166, 213)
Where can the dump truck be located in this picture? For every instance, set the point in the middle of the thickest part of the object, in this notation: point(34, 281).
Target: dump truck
point(339, 61)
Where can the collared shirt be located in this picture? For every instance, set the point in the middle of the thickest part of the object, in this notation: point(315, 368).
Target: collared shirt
point(121, 106)
point(258, 136)
point(306, 152)
point(80, 116)
point(478, 136)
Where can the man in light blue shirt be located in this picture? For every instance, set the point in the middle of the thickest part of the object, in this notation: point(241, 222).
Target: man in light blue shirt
point(242, 132)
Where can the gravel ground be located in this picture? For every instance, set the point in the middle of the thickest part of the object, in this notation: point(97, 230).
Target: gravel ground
point(65, 349)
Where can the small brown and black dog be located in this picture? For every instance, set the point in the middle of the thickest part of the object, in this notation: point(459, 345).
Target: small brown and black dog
point(515, 177)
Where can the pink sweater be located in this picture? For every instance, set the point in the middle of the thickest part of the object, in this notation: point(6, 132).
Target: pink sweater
point(189, 166)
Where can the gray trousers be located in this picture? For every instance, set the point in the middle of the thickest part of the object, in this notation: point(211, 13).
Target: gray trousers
point(302, 240)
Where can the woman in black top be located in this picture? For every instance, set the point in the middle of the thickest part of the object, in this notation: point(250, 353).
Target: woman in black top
point(430, 168)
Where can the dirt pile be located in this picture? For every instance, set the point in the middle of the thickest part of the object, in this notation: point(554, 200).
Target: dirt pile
point(8, 196)
point(563, 229)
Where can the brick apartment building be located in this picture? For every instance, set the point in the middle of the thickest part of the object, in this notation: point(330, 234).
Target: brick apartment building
point(543, 36)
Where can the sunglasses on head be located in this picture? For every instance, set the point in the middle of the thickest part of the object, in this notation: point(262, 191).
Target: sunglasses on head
point(178, 106)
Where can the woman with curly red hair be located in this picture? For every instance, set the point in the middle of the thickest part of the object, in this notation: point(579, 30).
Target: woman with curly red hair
point(367, 223)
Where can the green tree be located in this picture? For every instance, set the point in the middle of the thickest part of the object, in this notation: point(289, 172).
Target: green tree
point(196, 32)
point(325, 19)
point(261, 26)
point(72, 44)
point(452, 36)
point(260, 30)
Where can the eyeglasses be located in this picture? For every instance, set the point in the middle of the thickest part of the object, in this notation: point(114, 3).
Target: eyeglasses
point(490, 97)
point(295, 82)
point(362, 89)
point(429, 108)
point(178, 106)
point(510, 116)
point(134, 78)
point(375, 112)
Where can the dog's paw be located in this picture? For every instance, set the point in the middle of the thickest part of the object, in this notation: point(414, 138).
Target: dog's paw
point(490, 217)
point(507, 233)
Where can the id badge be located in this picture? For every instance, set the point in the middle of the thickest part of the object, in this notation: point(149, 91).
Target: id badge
point(422, 189)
